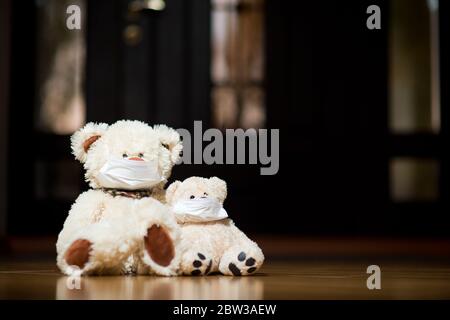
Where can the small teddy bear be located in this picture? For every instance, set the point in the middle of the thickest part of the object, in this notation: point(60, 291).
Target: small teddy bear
point(210, 241)
point(121, 225)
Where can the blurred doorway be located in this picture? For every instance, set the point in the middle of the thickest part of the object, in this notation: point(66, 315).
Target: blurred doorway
point(333, 87)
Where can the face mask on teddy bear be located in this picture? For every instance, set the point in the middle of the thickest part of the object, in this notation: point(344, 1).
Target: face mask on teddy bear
point(127, 174)
point(199, 210)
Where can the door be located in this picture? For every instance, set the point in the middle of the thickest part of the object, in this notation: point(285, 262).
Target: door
point(326, 85)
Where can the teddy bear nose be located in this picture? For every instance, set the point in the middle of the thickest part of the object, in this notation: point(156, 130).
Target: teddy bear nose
point(136, 159)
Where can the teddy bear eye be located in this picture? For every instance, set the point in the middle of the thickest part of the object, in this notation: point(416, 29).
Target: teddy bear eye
point(125, 155)
point(165, 145)
point(141, 155)
point(192, 197)
point(205, 194)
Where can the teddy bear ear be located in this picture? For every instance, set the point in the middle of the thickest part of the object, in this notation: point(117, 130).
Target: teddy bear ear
point(83, 139)
point(220, 187)
point(170, 139)
point(171, 191)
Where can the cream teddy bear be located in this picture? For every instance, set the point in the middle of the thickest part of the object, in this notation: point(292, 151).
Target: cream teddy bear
point(210, 241)
point(120, 225)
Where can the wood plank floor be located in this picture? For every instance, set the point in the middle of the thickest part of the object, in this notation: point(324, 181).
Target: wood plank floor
point(311, 279)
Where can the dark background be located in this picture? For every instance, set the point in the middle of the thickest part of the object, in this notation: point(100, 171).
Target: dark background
point(327, 88)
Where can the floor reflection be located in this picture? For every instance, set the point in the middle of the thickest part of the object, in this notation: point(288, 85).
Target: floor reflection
point(322, 279)
point(195, 288)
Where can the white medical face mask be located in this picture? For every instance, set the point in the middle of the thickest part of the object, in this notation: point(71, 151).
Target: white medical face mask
point(199, 210)
point(127, 174)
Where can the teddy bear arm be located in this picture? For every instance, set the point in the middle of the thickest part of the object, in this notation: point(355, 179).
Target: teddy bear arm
point(86, 210)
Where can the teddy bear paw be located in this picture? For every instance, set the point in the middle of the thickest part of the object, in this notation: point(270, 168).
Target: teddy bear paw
point(239, 264)
point(159, 245)
point(78, 253)
point(196, 264)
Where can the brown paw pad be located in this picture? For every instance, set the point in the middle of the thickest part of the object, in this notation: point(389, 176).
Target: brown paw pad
point(159, 245)
point(78, 253)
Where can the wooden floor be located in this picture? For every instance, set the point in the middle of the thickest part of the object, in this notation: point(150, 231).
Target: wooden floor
point(312, 279)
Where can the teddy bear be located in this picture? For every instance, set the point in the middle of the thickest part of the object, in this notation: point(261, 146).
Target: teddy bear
point(210, 241)
point(120, 224)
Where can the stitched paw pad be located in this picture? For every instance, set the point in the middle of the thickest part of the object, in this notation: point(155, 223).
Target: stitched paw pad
point(245, 262)
point(239, 263)
point(196, 264)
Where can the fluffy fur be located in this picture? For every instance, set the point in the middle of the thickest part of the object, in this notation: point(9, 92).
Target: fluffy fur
point(116, 226)
point(213, 246)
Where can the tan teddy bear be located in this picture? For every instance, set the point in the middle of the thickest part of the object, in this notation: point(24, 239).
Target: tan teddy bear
point(210, 241)
point(119, 225)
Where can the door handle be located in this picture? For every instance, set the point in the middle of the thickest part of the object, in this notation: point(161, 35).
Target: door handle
point(137, 6)
point(132, 33)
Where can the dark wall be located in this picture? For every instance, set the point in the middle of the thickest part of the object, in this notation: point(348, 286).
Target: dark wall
point(326, 90)
point(21, 135)
point(444, 25)
point(4, 96)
